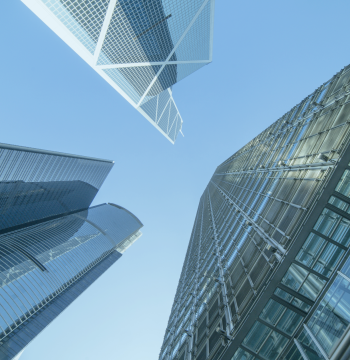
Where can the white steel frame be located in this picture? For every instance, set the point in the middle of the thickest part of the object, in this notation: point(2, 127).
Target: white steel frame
point(45, 14)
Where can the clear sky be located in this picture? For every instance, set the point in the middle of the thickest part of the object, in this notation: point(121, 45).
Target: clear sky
point(268, 56)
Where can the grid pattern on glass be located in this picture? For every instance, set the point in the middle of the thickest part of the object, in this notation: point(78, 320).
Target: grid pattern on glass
point(35, 185)
point(116, 76)
point(195, 45)
point(141, 77)
point(41, 261)
point(248, 216)
point(83, 19)
point(163, 111)
point(138, 32)
point(141, 48)
point(154, 44)
point(135, 80)
point(143, 31)
point(189, 49)
point(172, 74)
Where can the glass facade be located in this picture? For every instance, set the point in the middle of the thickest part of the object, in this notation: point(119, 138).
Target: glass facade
point(261, 275)
point(35, 184)
point(142, 48)
point(52, 244)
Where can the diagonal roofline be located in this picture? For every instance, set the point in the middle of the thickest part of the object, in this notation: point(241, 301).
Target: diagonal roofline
point(48, 152)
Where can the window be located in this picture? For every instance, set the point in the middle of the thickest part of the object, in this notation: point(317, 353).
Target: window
point(344, 184)
point(292, 300)
point(320, 255)
point(240, 354)
point(264, 341)
point(300, 280)
point(332, 317)
point(327, 222)
point(279, 316)
point(340, 204)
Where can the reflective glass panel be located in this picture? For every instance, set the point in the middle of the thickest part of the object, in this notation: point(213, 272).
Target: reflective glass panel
point(311, 250)
point(272, 312)
point(332, 317)
point(327, 222)
point(294, 277)
point(340, 204)
point(291, 299)
point(240, 354)
point(344, 184)
point(289, 322)
point(328, 259)
point(312, 286)
point(256, 336)
point(273, 346)
point(342, 232)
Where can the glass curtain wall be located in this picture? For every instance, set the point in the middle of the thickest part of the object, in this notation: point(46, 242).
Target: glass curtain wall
point(248, 220)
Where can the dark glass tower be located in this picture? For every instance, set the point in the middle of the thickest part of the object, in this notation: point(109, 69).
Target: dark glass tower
point(36, 184)
point(52, 244)
point(266, 275)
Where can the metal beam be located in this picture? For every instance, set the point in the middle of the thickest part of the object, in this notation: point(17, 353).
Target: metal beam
point(301, 350)
point(106, 22)
point(172, 52)
point(315, 341)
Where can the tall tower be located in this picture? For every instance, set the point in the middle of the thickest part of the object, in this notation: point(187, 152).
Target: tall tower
point(52, 244)
point(141, 48)
point(267, 270)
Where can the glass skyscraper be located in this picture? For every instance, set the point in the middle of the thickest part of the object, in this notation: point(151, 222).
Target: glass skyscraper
point(52, 244)
point(140, 47)
point(267, 270)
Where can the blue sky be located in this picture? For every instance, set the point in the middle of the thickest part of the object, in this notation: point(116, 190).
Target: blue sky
point(268, 56)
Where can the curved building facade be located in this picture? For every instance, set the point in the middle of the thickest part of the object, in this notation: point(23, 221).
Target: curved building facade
point(52, 244)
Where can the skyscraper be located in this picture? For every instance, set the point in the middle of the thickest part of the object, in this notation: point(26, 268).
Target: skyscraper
point(141, 48)
point(52, 244)
point(267, 270)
